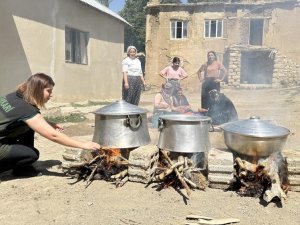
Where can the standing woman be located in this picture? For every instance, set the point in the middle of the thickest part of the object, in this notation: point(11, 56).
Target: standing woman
point(132, 77)
point(174, 73)
point(20, 118)
point(210, 74)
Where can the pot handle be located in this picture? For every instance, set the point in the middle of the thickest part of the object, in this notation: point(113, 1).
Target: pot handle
point(161, 125)
point(211, 127)
point(134, 123)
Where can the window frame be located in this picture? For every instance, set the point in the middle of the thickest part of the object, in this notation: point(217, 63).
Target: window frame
point(217, 30)
point(184, 29)
point(76, 42)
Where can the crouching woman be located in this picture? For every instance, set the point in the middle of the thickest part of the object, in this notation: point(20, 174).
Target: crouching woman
point(20, 118)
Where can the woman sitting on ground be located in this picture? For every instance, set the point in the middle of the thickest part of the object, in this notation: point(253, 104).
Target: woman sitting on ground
point(163, 103)
point(181, 103)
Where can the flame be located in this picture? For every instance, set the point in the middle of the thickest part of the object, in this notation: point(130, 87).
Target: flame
point(114, 152)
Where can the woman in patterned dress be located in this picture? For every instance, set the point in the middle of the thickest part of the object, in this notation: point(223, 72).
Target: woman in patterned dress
point(132, 77)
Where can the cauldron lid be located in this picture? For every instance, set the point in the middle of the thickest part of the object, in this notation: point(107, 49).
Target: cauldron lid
point(255, 127)
point(184, 117)
point(120, 108)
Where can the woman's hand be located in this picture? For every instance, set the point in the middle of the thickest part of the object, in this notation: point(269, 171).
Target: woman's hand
point(218, 80)
point(126, 85)
point(91, 146)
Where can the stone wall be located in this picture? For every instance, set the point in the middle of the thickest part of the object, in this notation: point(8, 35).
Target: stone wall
point(286, 72)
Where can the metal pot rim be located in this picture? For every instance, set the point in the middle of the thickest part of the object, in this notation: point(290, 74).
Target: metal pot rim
point(256, 135)
point(188, 118)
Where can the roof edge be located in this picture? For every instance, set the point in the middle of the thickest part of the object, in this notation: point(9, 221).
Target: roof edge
point(104, 9)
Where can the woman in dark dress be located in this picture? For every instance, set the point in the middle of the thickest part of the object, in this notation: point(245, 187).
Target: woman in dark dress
point(210, 74)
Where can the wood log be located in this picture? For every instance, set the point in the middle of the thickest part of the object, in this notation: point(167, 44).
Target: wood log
point(208, 220)
point(196, 217)
point(190, 182)
point(180, 159)
point(120, 183)
point(94, 159)
point(168, 171)
point(120, 175)
point(179, 176)
point(89, 181)
point(244, 165)
point(121, 163)
point(275, 190)
point(218, 221)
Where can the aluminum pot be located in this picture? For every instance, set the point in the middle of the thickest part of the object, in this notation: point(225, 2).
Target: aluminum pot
point(121, 125)
point(184, 133)
point(254, 137)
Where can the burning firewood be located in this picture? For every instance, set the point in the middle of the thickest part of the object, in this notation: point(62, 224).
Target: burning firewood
point(120, 175)
point(173, 167)
point(106, 164)
point(260, 179)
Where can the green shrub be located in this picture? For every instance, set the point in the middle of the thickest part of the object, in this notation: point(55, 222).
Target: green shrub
point(72, 118)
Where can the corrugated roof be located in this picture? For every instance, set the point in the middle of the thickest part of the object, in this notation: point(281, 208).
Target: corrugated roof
point(104, 9)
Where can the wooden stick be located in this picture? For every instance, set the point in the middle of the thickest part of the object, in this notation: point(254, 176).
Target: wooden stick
point(179, 176)
point(244, 165)
point(89, 181)
point(168, 171)
point(196, 217)
point(94, 159)
point(181, 159)
point(120, 175)
point(120, 183)
point(240, 163)
point(190, 182)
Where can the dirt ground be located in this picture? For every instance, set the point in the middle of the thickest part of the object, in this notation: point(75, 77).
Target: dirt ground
point(52, 199)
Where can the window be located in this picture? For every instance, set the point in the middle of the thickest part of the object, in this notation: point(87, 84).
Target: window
point(213, 28)
point(178, 29)
point(76, 46)
point(256, 31)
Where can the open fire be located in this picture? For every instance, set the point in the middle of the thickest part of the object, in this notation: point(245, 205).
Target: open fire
point(261, 177)
point(105, 164)
point(111, 164)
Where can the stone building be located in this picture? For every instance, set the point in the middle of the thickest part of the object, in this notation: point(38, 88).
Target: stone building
point(257, 41)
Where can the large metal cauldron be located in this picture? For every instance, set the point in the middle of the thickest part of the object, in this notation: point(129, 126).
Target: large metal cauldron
point(184, 133)
point(254, 137)
point(121, 125)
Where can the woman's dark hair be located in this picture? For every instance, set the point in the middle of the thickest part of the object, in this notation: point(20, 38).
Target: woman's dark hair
point(176, 60)
point(33, 89)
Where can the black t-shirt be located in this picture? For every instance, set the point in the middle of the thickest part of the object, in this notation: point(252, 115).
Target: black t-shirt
point(14, 110)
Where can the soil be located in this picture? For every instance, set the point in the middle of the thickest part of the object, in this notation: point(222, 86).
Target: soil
point(55, 199)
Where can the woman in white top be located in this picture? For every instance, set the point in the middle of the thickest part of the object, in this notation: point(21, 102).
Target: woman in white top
point(132, 77)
